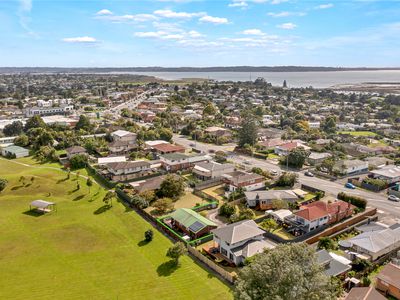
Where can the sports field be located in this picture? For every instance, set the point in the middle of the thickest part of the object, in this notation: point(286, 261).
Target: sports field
point(84, 250)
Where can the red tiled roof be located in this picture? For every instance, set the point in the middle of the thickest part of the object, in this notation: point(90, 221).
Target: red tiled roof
point(168, 148)
point(320, 209)
point(390, 274)
point(311, 213)
point(289, 146)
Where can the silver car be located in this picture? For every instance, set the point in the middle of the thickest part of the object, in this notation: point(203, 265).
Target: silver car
point(393, 198)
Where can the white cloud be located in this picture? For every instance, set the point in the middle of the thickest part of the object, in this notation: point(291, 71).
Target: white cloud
point(81, 39)
point(283, 14)
point(214, 20)
point(288, 26)
point(25, 5)
point(127, 18)
point(24, 9)
point(252, 32)
point(241, 4)
point(195, 34)
point(104, 12)
point(166, 13)
point(169, 34)
point(324, 6)
point(278, 1)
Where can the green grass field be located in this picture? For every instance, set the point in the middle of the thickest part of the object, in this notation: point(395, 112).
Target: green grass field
point(359, 133)
point(85, 251)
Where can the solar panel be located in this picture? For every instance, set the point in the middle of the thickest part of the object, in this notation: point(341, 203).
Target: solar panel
point(196, 226)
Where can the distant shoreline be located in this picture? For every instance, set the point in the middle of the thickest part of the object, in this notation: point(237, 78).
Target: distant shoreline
point(16, 70)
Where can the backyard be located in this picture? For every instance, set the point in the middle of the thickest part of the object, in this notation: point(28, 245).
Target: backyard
point(85, 249)
point(359, 133)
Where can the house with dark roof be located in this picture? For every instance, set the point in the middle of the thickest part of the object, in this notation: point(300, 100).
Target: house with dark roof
point(263, 200)
point(209, 170)
point(245, 180)
point(179, 161)
point(350, 167)
point(122, 171)
point(165, 148)
point(191, 223)
point(364, 293)
point(388, 280)
point(75, 150)
point(332, 264)
point(240, 240)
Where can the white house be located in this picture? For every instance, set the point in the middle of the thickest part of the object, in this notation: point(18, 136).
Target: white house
point(240, 240)
point(124, 136)
point(349, 167)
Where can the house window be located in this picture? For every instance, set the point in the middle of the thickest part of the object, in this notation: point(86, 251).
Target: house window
point(224, 252)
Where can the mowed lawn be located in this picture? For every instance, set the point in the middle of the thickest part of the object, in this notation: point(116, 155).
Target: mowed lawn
point(84, 251)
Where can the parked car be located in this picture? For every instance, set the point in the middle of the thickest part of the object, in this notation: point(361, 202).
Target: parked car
point(350, 186)
point(274, 172)
point(393, 198)
point(247, 162)
point(192, 145)
point(309, 174)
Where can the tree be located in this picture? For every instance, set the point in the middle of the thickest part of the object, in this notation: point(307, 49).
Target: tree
point(78, 161)
point(289, 272)
point(279, 204)
point(22, 140)
point(34, 122)
point(89, 183)
point(83, 123)
point(326, 243)
point(287, 179)
point(108, 198)
point(140, 202)
point(148, 235)
point(247, 133)
point(269, 224)
point(176, 251)
point(209, 109)
point(46, 153)
point(172, 187)
point(165, 134)
point(163, 205)
point(329, 124)
point(296, 157)
point(3, 184)
point(13, 129)
point(226, 210)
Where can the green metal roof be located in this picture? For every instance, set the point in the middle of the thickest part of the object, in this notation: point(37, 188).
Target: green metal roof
point(15, 149)
point(187, 217)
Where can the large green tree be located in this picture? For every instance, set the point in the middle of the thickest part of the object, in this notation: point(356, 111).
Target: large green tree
point(3, 184)
point(34, 122)
point(296, 158)
point(247, 133)
point(176, 251)
point(288, 272)
point(13, 129)
point(83, 123)
point(172, 187)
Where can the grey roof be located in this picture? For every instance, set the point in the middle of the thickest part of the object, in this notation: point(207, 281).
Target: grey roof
point(251, 248)
point(238, 177)
point(15, 149)
point(128, 164)
point(237, 232)
point(175, 156)
point(271, 195)
point(373, 226)
point(214, 166)
point(332, 266)
point(375, 241)
point(316, 155)
point(75, 149)
point(388, 171)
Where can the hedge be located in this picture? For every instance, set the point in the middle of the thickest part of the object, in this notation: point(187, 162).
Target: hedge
point(355, 200)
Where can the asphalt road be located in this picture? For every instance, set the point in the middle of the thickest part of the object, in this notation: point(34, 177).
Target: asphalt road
point(388, 210)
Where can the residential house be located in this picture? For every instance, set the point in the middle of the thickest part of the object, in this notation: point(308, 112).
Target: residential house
point(284, 149)
point(124, 141)
point(210, 170)
point(244, 180)
point(263, 200)
point(240, 240)
point(232, 122)
point(124, 136)
point(320, 213)
point(390, 174)
point(75, 150)
point(270, 144)
point(178, 161)
point(218, 132)
point(350, 167)
point(376, 243)
point(364, 293)
point(316, 158)
point(149, 184)
point(101, 161)
point(122, 171)
point(388, 280)
point(191, 223)
point(14, 151)
point(166, 148)
point(333, 264)
point(378, 162)
point(269, 133)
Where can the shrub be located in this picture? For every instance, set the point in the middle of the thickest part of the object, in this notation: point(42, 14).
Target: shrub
point(78, 161)
point(148, 235)
point(355, 200)
point(226, 210)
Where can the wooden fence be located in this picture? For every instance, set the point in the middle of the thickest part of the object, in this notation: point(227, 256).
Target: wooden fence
point(225, 275)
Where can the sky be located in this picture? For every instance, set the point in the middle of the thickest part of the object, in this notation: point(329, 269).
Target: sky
point(174, 33)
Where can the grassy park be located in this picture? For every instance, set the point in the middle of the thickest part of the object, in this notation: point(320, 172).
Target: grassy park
point(359, 133)
point(84, 250)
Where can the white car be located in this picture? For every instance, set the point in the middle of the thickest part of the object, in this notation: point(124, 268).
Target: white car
point(393, 198)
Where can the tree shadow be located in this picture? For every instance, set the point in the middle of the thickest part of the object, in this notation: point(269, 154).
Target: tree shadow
point(143, 243)
point(33, 213)
point(62, 180)
point(167, 268)
point(80, 197)
point(102, 209)
point(17, 187)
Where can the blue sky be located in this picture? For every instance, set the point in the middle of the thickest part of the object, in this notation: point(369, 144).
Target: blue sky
point(122, 33)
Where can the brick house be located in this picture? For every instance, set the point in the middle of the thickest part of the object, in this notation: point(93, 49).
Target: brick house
point(388, 280)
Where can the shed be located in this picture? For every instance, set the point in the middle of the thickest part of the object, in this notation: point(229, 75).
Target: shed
point(43, 206)
point(14, 151)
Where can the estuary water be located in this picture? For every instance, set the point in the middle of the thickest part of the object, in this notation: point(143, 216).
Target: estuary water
point(293, 79)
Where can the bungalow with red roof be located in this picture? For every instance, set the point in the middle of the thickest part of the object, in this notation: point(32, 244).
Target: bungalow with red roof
point(167, 148)
point(319, 213)
point(284, 149)
point(388, 280)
